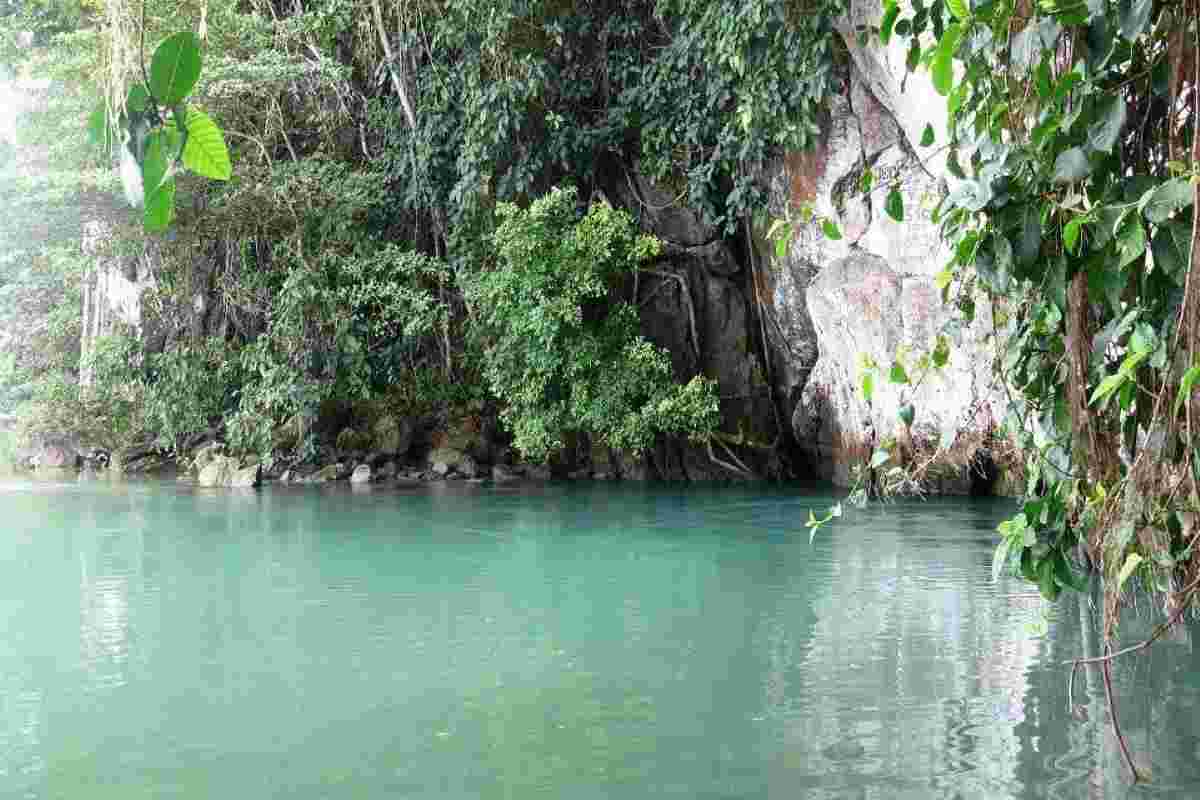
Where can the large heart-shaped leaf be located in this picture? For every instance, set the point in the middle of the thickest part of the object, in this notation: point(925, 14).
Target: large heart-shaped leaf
point(1107, 128)
point(175, 68)
point(943, 60)
point(205, 152)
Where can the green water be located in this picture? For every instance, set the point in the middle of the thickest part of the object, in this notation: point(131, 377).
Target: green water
point(158, 641)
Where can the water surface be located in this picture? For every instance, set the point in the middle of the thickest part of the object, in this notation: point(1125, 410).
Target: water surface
point(607, 641)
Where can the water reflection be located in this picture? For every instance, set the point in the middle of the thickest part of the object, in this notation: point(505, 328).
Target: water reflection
point(600, 642)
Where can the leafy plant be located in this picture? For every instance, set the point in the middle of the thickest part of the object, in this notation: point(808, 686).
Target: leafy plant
point(560, 352)
point(160, 133)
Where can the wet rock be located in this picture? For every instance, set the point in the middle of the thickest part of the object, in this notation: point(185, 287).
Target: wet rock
point(445, 460)
point(361, 474)
point(388, 470)
point(224, 471)
point(502, 474)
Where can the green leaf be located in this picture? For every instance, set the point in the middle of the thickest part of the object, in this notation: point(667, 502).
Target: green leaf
point(1046, 583)
point(1159, 204)
point(943, 279)
point(1131, 563)
point(943, 59)
point(1071, 233)
point(1144, 340)
point(175, 68)
point(1071, 165)
point(879, 458)
point(1105, 131)
point(1172, 248)
point(156, 163)
point(959, 9)
point(1135, 15)
point(941, 352)
point(927, 136)
point(137, 99)
point(831, 230)
point(1107, 387)
point(99, 130)
point(897, 374)
point(1131, 241)
point(894, 205)
point(890, 12)
point(906, 413)
point(868, 384)
point(160, 207)
point(1066, 576)
point(866, 181)
point(1185, 387)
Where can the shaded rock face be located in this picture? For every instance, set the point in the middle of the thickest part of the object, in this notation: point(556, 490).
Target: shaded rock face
point(696, 302)
point(831, 302)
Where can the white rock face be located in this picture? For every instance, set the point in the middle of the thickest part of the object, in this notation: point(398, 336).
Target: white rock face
point(871, 291)
point(112, 293)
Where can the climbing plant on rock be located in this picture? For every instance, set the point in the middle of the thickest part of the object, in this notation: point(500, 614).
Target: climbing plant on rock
point(1075, 163)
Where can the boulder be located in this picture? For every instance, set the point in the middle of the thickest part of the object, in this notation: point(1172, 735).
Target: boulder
point(224, 471)
point(503, 474)
point(361, 474)
point(443, 460)
point(57, 456)
point(204, 455)
point(330, 472)
point(388, 470)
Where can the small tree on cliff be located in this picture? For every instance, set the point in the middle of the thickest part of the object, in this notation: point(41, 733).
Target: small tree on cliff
point(559, 352)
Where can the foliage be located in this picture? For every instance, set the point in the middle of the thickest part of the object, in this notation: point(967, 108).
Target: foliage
point(1073, 142)
point(153, 145)
point(560, 354)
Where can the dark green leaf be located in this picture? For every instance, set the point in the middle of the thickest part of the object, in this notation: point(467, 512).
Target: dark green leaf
point(1030, 245)
point(1131, 240)
point(175, 68)
point(894, 205)
point(1169, 197)
point(1071, 165)
point(927, 136)
point(1105, 131)
point(906, 413)
point(1046, 583)
point(1171, 246)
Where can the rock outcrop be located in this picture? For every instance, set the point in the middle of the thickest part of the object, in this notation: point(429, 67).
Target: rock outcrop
point(833, 302)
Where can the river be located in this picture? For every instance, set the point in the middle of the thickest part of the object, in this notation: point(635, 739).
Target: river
point(581, 641)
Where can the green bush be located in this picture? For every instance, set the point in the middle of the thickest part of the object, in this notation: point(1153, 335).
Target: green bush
point(561, 355)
